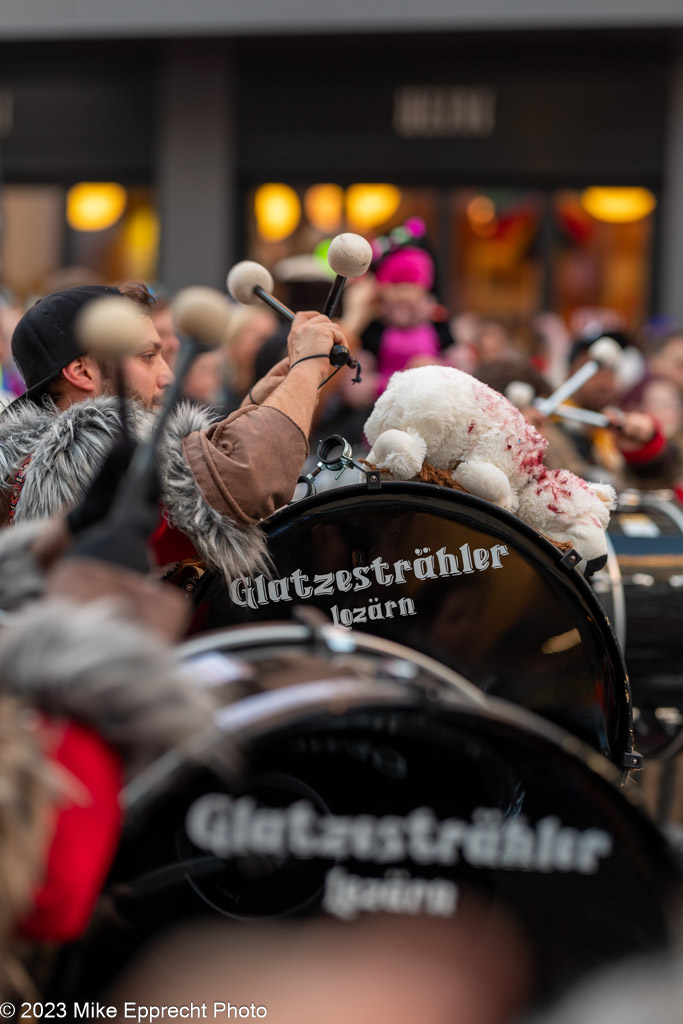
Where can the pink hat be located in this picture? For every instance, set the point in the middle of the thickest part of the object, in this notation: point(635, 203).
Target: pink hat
point(407, 266)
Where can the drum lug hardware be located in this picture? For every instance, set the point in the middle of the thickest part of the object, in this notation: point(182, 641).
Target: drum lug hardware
point(633, 761)
point(570, 559)
point(373, 480)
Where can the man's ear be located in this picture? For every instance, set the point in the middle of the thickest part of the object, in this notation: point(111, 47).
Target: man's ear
point(80, 373)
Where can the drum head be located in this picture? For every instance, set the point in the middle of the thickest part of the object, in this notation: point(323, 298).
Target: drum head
point(453, 577)
point(414, 805)
point(371, 782)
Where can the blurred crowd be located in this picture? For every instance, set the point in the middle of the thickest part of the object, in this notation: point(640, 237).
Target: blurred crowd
point(393, 319)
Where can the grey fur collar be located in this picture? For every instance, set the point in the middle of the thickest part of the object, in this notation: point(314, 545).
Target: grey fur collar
point(90, 663)
point(67, 450)
point(218, 539)
point(69, 447)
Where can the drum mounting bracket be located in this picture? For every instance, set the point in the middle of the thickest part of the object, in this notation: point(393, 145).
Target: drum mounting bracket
point(633, 761)
point(336, 454)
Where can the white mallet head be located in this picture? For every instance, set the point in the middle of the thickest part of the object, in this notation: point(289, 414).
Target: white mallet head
point(607, 352)
point(520, 393)
point(246, 276)
point(349, 255)
point(202, 314)
point(113, 326)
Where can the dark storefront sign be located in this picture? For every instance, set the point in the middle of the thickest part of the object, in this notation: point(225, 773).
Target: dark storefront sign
point(442, 116)
point(60, 123)
point(6, 112)
point(365, 108)
point(444, 111)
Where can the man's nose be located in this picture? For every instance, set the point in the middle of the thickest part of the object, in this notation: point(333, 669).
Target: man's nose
point(166, 376)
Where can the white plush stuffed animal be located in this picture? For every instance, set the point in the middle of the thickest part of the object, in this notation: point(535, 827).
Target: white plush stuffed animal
point(442, 417)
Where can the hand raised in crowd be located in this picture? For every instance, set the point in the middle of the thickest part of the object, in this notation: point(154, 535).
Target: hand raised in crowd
point(360, 304)
point(635, 428)
point(313, 334)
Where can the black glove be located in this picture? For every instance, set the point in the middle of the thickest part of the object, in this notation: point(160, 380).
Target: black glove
point(121, 539)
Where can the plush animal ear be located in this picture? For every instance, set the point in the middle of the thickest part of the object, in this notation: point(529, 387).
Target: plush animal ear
point(402, 452)
point(607, 497)
point(589, 539)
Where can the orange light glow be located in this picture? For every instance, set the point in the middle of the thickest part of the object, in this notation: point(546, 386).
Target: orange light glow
point(141, 240)
point(368, 206)
point(324, 206)
point(95, 205)
point(278, 211)
point(618, 205)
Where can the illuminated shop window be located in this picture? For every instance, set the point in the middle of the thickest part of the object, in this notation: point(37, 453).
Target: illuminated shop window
point(602, 254)
point(501, 252)
point(55, 237)
point(496, 259)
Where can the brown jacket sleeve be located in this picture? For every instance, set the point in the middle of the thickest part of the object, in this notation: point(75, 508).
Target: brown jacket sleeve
point(247, 465)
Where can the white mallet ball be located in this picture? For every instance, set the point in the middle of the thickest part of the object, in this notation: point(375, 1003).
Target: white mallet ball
point(203, 314)
point(246, 276)
point(349, 255)
point(113, 326)
point(520, 393)
point(607, 352)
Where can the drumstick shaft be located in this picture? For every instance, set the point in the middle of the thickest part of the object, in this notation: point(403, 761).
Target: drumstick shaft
point(270, 300)
point(570, 412)
point(593, 419)
point(332, 300)
point(570, 386)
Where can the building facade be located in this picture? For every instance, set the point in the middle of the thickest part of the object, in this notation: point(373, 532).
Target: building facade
point(488, 124)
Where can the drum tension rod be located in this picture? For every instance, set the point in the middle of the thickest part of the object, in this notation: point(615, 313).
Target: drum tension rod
point(633, 760)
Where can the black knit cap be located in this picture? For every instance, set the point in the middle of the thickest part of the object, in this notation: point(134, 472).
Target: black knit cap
point(44, 340)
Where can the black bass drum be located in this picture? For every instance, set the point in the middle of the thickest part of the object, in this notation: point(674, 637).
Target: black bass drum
point(641, 590)
point(641, 587)
point(349, 776)
point(458, 579)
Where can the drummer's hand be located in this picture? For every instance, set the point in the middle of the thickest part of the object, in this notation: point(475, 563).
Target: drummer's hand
point(267, 384)
point(636, 428)
point(313, 334)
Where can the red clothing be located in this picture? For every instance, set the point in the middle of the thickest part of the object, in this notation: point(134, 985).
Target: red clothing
point(169, 544)
point(86, 835)
point(652, 450)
